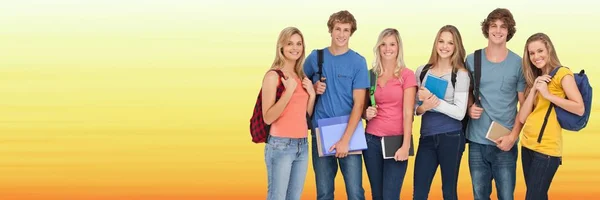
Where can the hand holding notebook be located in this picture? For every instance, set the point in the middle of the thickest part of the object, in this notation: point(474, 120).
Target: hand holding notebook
point(332, 129)
point(320, 149)
point(391, 144)
point(496, 131)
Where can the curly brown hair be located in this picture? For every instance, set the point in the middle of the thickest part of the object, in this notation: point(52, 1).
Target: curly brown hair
point(342, 17)
point(500, 14)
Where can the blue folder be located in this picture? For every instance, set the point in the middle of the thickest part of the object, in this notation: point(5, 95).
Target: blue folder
point(436, 86)
point(332, 129)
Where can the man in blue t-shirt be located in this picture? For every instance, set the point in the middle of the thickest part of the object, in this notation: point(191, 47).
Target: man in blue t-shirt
point(502, 84)
point(341, 92)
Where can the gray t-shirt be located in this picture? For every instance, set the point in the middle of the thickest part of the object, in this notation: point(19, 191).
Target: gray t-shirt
point(500, 84)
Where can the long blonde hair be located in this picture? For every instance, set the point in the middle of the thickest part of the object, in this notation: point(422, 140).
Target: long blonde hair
point(284, 38)
point(457, 60)
point(530, 71)
point(377, 66)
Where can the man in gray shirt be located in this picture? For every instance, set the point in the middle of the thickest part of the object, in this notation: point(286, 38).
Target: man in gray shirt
point(501, 85)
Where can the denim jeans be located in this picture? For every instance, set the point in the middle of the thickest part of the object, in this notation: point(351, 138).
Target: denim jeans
point(538, 169)
point(385, 175)
point(287, 163)
point(445, 150)
point(487, 163)
point(326, 169)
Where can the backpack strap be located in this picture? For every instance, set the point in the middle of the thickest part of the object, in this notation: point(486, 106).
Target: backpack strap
point(280, 86)
point(373, 80)
point(320, 74)
point(554, 71)
point(320, 63)
point(279, 92)
point(453, 79)
point(279, 72)
point(428, 66)
point(424, 72)
point(477, 81)
point(539, 140)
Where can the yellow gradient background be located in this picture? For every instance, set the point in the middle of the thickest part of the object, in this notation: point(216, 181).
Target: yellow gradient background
point(151, 99)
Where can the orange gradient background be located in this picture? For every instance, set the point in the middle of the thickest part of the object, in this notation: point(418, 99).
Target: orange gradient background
point(152, 99)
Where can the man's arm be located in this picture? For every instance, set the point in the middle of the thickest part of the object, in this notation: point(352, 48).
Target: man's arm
point(356, 113)
point(507, 142)
point(342, 146)
point(360, 83)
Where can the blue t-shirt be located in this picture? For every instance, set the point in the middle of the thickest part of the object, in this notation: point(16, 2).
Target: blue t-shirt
point(343, 74)
point(499, 86)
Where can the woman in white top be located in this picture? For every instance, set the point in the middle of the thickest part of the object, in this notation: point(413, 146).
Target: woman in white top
point(442, 140)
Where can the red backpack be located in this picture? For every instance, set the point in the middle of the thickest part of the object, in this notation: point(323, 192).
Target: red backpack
point(258, 128)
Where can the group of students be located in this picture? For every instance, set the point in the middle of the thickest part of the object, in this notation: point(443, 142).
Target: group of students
point(339, 87)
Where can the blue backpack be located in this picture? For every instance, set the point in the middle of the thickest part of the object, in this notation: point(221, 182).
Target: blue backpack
point(567, 120)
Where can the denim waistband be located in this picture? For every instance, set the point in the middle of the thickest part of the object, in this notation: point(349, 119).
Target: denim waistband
point(288, 140)
point(372, 136)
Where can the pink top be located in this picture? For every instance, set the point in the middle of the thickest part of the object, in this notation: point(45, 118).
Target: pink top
point(390, 108)
point(292, 121)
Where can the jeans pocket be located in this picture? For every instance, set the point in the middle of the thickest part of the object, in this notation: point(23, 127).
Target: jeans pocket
point(455, 134)
point(371, 138)
point(277, 144)
point(541, 156)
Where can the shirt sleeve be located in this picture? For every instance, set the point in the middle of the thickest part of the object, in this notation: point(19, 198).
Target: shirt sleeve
point(310, 64)
point(458, 108)
point(521, 82)
point(419, 83)
point(409, 79)
point(470, 68)
point(557, 79)
point(361, 77)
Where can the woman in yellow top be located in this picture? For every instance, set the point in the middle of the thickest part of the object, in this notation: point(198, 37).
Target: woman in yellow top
point(542, 148)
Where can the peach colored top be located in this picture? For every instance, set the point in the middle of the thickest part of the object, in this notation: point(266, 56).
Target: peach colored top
point(292, 121)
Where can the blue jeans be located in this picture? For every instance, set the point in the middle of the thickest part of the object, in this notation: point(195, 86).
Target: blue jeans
point(326, 169)
point(287, 162)
point(489, 163)
point(539, 169)
point(445, 150)
point(385, 175)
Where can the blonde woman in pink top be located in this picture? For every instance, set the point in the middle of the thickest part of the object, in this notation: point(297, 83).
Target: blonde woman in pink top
point(286, 151)
point(392, 115)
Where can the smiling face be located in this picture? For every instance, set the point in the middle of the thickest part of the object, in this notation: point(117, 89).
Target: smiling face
point(340, 34)
point(445, 45)
point(389, 48)
point(292, 50)
point(497, 32)
point(538, 53)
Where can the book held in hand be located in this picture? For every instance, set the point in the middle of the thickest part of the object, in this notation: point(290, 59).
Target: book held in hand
point(331, 131)
point(320, 145)
point(437, 86)
point(391, 144)
point(496, 131)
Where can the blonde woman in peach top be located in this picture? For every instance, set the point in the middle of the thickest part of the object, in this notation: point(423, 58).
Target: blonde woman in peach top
point(286, 150)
